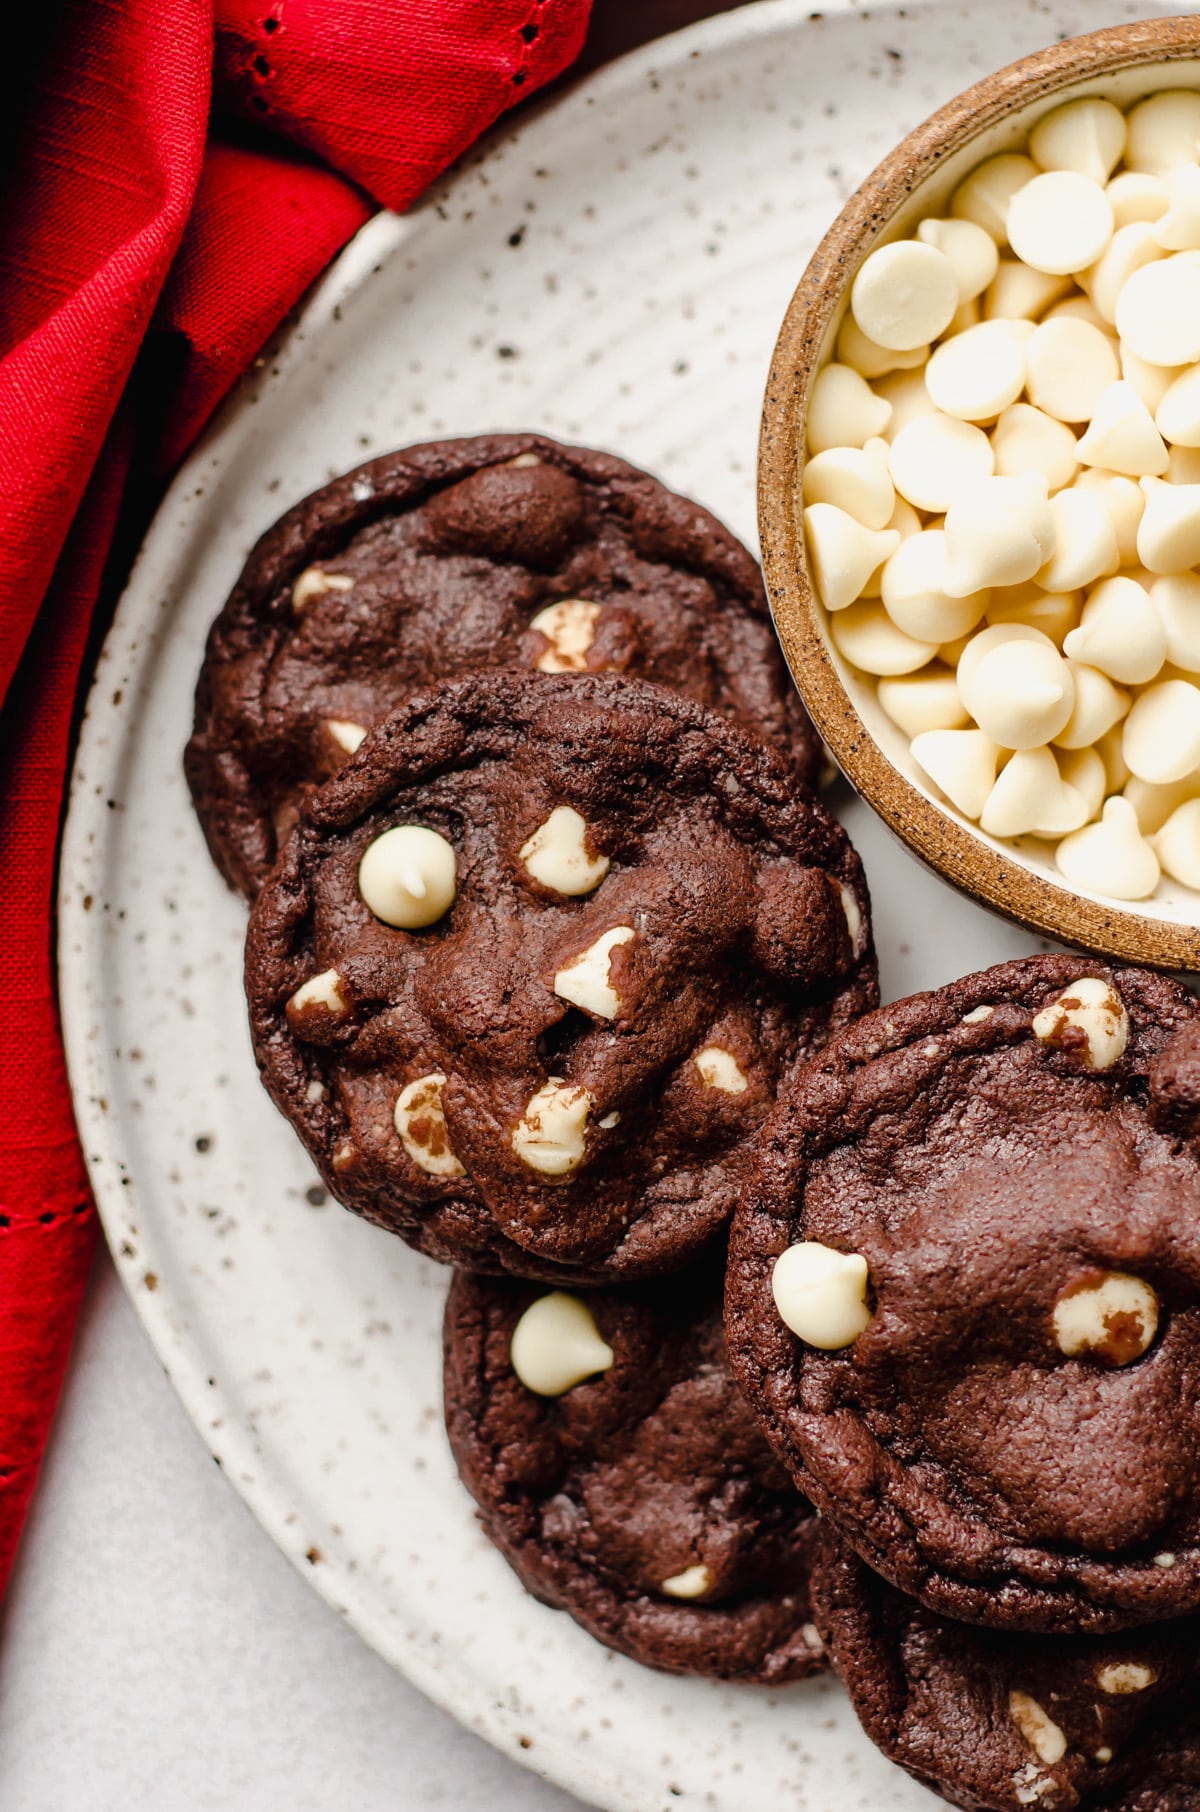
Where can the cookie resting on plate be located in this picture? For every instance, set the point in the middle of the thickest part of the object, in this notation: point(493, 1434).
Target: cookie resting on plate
point(617, 1468)
point(532, 968)
point(445, 558)
point(1000, 1722)
point(964, 1293)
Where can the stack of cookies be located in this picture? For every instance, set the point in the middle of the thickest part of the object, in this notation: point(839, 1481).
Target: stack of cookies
point(561, 971)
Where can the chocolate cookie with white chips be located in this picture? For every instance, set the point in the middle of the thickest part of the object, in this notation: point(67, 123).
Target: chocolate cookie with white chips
point(533, 967)
point(440, 559)
point(964, 1294)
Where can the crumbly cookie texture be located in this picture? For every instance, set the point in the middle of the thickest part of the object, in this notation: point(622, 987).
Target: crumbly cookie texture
point(964, 1293)
point(1006, 1722)
point(504, 550)
point(620, 1472)
point(535, 964)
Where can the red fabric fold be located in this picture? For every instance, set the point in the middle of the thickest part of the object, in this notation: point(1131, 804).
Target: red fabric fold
point(142, 266)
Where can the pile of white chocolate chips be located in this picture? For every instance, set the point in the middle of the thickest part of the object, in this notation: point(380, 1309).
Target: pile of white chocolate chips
point(1002, 491)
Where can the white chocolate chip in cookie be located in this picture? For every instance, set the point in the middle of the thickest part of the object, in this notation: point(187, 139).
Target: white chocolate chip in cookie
point(557, 856)
point(557, 1345)
point(854, 919)
point(549, 1137)
point(1091, 1006)
point(407, 876)
point(1114, 1317)
point(978, 1015)
point(1111, 857)
point(693, 1582)
point(1038, 1728)
point(421, 1124)
point(1122, 1677)
point(570, 629)
point(314, 582)
point(905, 294)
point(720, 1069)
point(324, 990)
point(1087, 136)
point(584, 981)
point(821, 1294)
point(348, 736)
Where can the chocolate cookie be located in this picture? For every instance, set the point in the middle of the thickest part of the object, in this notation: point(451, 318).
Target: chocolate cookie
point(964, 1294)
point(619, 1471)
point(634, 924)
point(441, 559)
point(1006, 1722)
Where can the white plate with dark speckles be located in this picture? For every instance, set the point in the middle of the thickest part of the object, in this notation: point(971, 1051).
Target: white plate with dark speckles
point(612, 271)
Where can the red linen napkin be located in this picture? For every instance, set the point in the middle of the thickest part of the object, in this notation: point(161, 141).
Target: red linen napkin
point(143, 261)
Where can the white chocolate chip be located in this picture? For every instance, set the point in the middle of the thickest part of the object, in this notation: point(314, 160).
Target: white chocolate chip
point(1162, 732)
point(557, 855)
point(866, 636)
point(1059, 222)
point(906, 396)
point(1070, 365)
point(345, 1155)
point(1108, 747)
point(1158, 310)
point(1177, 844)
point(1116, 1317)
point(549, 1136)
point(1125, 502)
point(1150, 381)
point(570, 629)
point(905, 294)
point(1165, 1561)
point(855, 349)
point(977, 1015)
point(524, 460)
point(843, 410)
point(999, 531)
point(557, 1345)
point(856, 479)
point(1111, 857)
point(407, 876)
point(1084, 770)
point(935, 457)
point(928, 700)
point(1163, 132)
point(842, 553)
point(1136, 195)
point(348, 736)
point(1050, 613)
point(961, 763)
point(1121, 1677)
point(1085, 541)
point(1018, 293)
point(1087, 136)
point(986, 194)
point(1099, 705)
point(1022, 694)
point(1184, 467)
point(1168, 539)
point(314, 582)
point(1030, 797)
point(720, 1069)
point(324, 990)
point(1026, 439)
point(608, 1121)
point(1079, 308)
point(1122, 436)
point(1154, 804)
point(1178, 229)
point(1121, 633)
point(316, 1091)
point(421, 1124)
point(981, 645)
point(970, 249)
point(584, 981)
point(914, 595)
point(1103, 1755)
point(1178, 414)
point(1129, 249)
point(854, 922)
point(693, 1582)
point(1038, 1728)
point(821, 1294)
point(977, 373)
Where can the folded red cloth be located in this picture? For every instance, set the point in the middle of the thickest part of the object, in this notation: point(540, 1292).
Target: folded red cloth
point(143, 262)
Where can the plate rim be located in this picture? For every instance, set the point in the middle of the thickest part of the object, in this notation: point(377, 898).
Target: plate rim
point(80, 934)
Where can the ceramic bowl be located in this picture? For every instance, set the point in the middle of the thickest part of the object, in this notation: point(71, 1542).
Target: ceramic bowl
point(1016, 878)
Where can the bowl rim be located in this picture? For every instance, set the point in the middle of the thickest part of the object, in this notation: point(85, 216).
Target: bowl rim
point(960, 855)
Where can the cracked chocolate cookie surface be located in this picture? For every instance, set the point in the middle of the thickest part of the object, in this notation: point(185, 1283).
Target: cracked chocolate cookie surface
point(448, 557)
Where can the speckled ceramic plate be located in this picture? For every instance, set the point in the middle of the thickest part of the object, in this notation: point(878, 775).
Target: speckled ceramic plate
point(613, 271)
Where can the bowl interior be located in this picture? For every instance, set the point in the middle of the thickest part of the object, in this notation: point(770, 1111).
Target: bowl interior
point(1017, 877)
